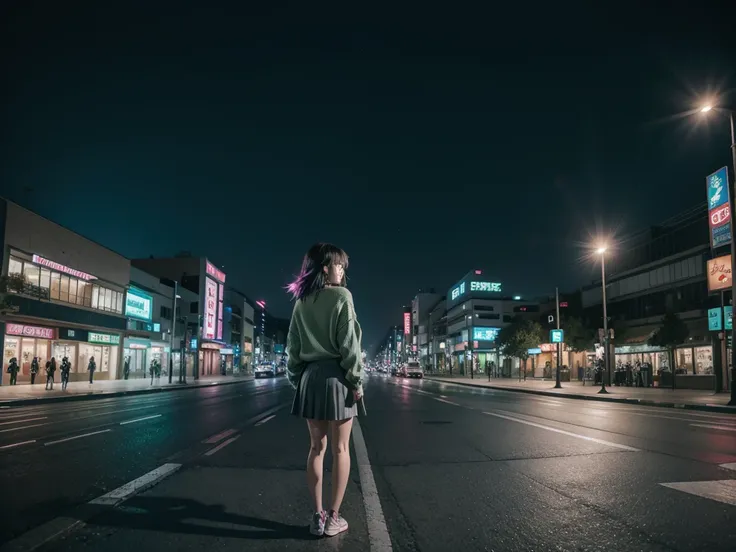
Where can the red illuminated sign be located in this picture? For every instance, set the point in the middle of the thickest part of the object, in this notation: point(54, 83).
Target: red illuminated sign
point(30, 331)
point(215, 272)
point(720, 216)
point(407, 323)
point(61, 268)
point(563, 304)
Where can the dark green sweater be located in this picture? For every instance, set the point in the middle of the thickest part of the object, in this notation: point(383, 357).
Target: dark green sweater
point(324, 326)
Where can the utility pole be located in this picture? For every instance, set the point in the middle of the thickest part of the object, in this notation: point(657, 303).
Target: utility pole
point(558, 385)
point(173, 333)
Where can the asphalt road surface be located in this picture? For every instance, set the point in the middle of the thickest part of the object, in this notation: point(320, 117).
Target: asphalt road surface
point(447, 468)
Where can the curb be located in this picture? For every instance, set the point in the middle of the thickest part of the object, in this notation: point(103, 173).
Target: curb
point(112, 394)
point(577, 396)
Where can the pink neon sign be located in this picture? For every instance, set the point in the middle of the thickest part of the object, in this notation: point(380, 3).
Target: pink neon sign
point(30, 331)
point(61, 268)
point(215, 272)
point(407, 323)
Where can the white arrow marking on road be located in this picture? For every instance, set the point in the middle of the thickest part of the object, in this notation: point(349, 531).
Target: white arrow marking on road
point(731, 466)
point(720, 427)
point(26, 420)
point(721, 491)
point(264, 420)
point(221, 446)
point(137, 485)
point(76, 437)
point(563, 432)
point(141, 419)
point(18, 444)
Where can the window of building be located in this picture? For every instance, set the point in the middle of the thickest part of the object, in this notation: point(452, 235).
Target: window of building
point(64, 295)
point(15, 266)
point(32, 274)
point(193, 308)
point(165, 313)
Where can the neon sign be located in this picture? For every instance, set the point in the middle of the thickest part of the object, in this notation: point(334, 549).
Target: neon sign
point(485, 286)
point(407, 323)
point(485, 334)
point(30, 331)
point(61, 268)
point(457, 292)
point(215, 272)
point(210, 309)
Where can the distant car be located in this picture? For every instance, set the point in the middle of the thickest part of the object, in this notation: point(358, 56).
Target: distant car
point(413, 370)
point(265, 370)
point(281, 370)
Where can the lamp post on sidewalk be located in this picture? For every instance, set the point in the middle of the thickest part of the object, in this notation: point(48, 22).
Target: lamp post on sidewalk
point(602, 251)
point(707, 109)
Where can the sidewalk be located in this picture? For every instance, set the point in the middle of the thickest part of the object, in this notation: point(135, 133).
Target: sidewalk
point(17, 395)
point(652, 396)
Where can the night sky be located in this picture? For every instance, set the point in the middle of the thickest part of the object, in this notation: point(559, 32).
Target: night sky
point(425, 142)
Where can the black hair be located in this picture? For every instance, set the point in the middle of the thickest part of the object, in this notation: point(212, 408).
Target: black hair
point(312, 278)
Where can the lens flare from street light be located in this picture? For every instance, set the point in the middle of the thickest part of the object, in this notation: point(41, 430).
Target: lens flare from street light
point(601, 250)
point(706, 108)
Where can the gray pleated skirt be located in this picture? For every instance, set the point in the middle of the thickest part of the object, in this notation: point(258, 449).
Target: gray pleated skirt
point(323, 393)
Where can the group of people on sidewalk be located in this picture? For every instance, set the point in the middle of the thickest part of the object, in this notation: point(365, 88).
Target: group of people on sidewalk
point(66, 367)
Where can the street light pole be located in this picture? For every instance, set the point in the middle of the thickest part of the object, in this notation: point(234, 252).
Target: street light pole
point(173, 332)
point(558, 385)
point(732, 384)
point(602, 252)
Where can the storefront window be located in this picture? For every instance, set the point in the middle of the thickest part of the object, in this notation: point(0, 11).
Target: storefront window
point(704, 361)
point(684, 361)
point(15, 266)
point(66, 288)
point(45, 278)
point(10, 350)
point(69, 350)
point(31, 273)
point(55, 285)
point(64, 295)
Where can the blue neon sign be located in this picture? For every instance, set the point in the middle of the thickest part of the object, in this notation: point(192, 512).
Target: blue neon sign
point(457, 291)
point(485, 334)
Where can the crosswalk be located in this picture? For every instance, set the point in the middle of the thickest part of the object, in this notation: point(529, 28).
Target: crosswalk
point(723, 490)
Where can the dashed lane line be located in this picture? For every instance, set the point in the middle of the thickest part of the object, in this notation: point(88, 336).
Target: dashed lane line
point(140, 419)
point(23, 420)
point(18, 444)
point(120, 494)
point(721, 491)
point(219, 437)
point(77, 437)
point(718, 427)
point(221, 446)
point(264, 420)
point(446, 401)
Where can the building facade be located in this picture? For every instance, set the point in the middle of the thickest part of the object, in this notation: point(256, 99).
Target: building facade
point(477, 309)
point(664, 270)
point(64, 296)
point(203, 278)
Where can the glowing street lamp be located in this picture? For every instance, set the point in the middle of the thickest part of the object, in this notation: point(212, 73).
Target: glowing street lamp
point(602, 251)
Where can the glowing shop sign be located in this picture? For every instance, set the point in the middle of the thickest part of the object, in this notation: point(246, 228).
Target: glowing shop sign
point(215, 272)
point(138, 304)
point(103, 338)
point(210, 309)
point(407, 323)
point(61, 268)
point(30, 331)
point(457, 291)
point(485, 334)
point(485, 286)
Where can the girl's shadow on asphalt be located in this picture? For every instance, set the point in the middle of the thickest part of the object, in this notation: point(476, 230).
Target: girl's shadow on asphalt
point(181, 515)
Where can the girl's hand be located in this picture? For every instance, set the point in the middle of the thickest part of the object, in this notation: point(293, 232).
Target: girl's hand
point(357, 395)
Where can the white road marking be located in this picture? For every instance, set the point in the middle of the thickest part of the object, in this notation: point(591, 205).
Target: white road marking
point(76, 437)
point(563, 432)
point(140, 419)
point(378, 536)
point(120, 494)
point(25, 420)
point(721, 491)
point(731, 466)
point(446, 402)
point(264, 420)
point(24, 427)
point(18, 444)
point(219, 437)
point(221, 446)
point(719, 427)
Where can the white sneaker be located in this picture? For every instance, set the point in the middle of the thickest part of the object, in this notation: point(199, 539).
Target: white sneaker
point(317, 525)
point(335, 524)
